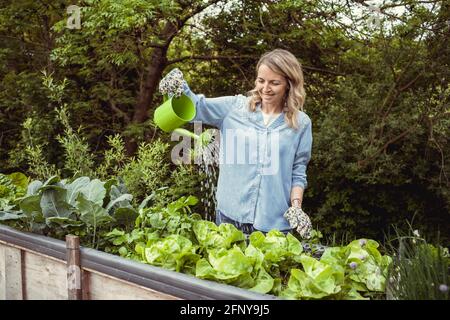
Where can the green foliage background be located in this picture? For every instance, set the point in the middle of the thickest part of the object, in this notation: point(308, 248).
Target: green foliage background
point(378, 94)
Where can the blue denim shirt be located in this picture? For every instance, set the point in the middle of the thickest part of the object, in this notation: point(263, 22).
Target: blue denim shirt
point(259, 165)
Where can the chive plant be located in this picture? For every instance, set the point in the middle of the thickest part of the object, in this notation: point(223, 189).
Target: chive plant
point(420, 270)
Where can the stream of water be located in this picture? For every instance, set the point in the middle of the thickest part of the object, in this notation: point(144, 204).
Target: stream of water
point(209, 163)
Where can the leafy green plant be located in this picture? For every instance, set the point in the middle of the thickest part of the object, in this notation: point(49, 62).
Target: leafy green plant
point(38, 165)
point(281, 252)
point(173, 252)
point(209, 235)
point(315, 280)
point(232, 266)
point(420, 270)
point(154, 223)
point(355, 271)
point(123, 243)
point(185, 180)
point(113, 159)
point(174, 238)
point(12, 187)
point(55, 89)
point(78, 161)
point(148, 171)
point(175, 218)
point(83, 206)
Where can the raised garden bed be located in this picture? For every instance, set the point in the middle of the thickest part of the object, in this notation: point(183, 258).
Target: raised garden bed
point(35, 267)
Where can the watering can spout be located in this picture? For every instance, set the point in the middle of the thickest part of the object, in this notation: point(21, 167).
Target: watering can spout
point(186, 133)
point(204, 138)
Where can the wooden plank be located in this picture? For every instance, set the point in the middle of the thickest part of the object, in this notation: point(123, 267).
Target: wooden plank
point(104, 287)
point(74, 280)
point(46, 278)
point(2, 272)
point(10, 273)
point(85, 284)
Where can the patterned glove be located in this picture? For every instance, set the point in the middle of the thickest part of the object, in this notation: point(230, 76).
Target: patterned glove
point(172, 83)
point(299, 221)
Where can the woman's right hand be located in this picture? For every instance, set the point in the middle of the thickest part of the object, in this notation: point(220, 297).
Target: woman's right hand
point(172, 84)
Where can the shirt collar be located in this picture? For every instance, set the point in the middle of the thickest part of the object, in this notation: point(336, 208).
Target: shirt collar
point(258, 117)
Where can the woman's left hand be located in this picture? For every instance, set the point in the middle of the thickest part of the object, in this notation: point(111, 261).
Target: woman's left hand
point(299, 221)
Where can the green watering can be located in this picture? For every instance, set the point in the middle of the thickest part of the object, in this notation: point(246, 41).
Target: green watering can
point(176, 112)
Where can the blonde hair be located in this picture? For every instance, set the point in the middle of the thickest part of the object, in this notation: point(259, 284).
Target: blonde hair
point(286, 64)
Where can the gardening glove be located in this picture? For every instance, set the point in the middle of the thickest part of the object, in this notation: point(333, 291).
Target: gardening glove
point(172, 83)
point(299, 221)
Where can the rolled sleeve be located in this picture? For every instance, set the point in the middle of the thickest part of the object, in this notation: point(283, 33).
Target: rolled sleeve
point(302, 155)
point(212, 111)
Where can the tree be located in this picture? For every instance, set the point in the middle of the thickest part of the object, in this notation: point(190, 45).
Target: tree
point(126, 43)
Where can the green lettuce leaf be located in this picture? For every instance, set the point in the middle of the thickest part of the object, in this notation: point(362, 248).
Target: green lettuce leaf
point(366, 265)
point(264, 282)
point(174, 252)
point(318, 280)
point(229, 266)
point(276, 246)
point(209, 235)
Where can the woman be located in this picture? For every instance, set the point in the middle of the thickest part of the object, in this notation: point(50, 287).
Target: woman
point(265, 147)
